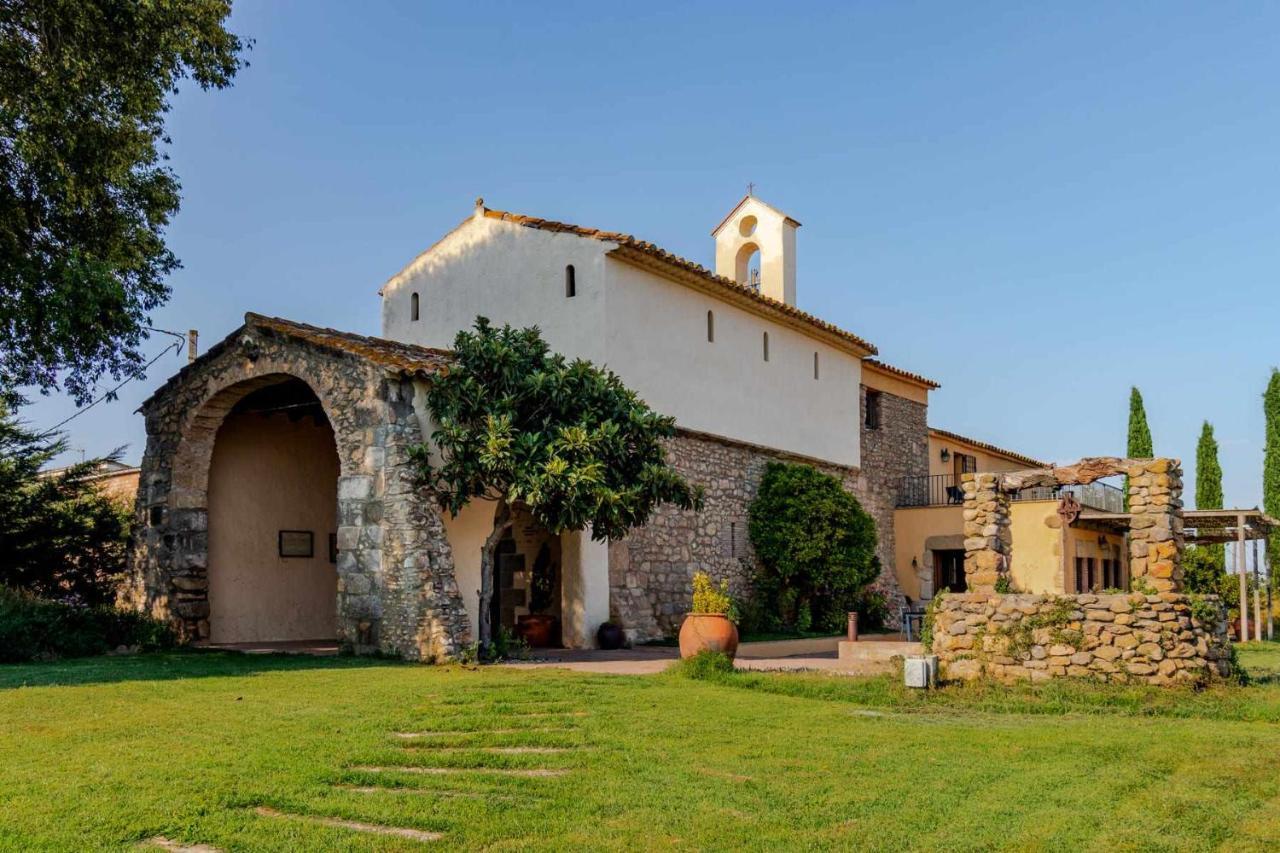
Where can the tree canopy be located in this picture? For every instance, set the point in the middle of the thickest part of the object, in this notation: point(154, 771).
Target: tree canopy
point(816, 546)
point(1271, 463)
point(1139, 444)
point(1209, 484)
point(85, 194)
point(567, 441)
point(60, 537)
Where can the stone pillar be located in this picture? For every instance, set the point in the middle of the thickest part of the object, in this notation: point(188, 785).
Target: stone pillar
point(1155, 524)
point(987, 538)
point(584, 588)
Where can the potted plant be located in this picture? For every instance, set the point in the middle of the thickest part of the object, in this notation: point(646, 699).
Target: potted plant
point(709, 626)
point(540, 628)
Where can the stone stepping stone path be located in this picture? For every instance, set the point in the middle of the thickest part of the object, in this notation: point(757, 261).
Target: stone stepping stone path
point(460, 733)
point(442, 793)
point(526, 772)
point(178, 847)
point(497, 750)
point(353, 825)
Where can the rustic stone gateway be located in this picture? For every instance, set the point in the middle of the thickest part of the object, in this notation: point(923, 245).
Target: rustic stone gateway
point(396, 588)
point(1155, 634)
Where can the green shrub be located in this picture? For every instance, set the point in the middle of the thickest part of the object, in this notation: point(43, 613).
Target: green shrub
point(33, 628)
point(872, 608)
point(706, 665)
point(816, 547)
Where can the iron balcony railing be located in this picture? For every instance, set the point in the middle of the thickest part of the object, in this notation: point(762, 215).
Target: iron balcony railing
point(944, 490)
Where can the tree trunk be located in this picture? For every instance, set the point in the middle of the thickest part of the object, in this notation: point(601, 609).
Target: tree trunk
point(502, 522)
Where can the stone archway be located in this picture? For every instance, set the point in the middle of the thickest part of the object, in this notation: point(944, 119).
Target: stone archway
point(396, 591)
point(273, 520)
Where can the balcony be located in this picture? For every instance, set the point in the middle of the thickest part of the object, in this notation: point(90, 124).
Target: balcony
point(944, 490)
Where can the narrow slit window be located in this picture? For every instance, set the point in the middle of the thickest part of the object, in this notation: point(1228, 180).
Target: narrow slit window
point(872, 418)
point(815, 365)
point(766, 346)
point(413, 307)
point(711, 327)
point(570, 282)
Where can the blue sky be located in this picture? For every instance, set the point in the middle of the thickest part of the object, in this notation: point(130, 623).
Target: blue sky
point(1038, 207)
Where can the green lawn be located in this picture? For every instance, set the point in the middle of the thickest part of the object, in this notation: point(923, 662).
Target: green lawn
point(108, 752)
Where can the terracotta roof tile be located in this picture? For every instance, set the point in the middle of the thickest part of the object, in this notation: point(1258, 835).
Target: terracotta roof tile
point(898, 371)
point(408, 358)
point(393, 355)
point(654, 252)
point(1017, 457)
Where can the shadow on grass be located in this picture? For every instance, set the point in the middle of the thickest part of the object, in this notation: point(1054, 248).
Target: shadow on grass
point(169, 666)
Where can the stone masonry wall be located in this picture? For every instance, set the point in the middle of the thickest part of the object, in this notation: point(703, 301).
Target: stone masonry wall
point(987, 533)
point(1156, 639)
point(1155, 526)
point(651, 570)
point(897, 448)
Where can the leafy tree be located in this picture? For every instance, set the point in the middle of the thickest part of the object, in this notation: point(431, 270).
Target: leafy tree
point(1139, 445)
point(1271, 464)
point(565, 440)
point(85, 194)
point(1203, 573)
point(60, 537)
point(1209, 484)
point(816, 546)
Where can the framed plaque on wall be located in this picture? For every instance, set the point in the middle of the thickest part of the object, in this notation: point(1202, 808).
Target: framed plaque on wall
point(297, 543)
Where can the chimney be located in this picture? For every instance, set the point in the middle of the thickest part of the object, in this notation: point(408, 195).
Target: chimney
point(756, 247)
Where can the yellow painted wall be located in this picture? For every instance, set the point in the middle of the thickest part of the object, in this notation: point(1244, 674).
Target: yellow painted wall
point(987, 461)
point(1036, 546)
point(911, 528)
point(879, 380)
point(270, 474)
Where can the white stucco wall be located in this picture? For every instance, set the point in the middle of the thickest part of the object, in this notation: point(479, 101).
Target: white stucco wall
point(650, 330)
point(657, 341)
point(466, 535)
point(508, 273)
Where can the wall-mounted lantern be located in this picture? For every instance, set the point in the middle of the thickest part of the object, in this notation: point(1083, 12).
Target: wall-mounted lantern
point(946, 455)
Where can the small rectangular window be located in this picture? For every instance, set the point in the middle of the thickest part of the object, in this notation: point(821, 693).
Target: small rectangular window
point(872, 417)
point(766, 346)
point(815, 365)
point(413, 307)
point(570, 282)
point(711, 327)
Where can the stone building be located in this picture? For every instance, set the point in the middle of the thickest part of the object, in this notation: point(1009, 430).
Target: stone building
point(275, 501)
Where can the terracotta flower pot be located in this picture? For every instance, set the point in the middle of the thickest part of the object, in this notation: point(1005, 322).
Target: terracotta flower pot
point(708, 631)
point(538, 629)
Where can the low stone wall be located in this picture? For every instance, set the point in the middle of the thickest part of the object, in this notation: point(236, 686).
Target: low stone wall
point(1126, 637)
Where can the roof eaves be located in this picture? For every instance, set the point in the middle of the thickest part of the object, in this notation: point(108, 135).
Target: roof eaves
point(741, 202)
point(915, 378)
point(983, 445)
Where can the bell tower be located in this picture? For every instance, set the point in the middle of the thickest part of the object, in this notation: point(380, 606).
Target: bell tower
point(756, 246)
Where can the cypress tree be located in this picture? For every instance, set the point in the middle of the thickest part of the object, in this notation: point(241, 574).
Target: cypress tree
point(1271, 460)
point(1139, 446)
point(1209, 484)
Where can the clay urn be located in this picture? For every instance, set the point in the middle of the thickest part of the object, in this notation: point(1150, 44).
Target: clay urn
point(708, 632)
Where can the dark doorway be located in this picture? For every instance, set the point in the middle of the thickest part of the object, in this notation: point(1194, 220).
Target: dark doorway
point(508, 565)
point(948, 571)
